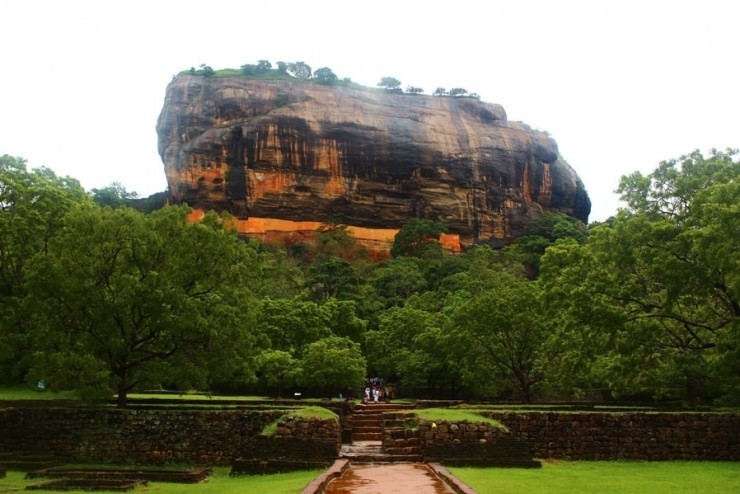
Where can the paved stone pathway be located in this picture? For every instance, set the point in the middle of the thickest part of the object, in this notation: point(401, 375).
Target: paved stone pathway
point(416, 478)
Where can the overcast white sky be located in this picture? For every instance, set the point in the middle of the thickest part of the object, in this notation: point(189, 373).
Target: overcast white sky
point(619, 84)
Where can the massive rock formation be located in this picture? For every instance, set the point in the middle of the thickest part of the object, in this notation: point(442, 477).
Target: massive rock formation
point(287, 155)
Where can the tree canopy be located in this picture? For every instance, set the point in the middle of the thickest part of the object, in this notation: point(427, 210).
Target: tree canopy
point(98, 297)
point(390, 83)
point(325, 75)
point(418, 238)
point(153, 299)
point(661, 282)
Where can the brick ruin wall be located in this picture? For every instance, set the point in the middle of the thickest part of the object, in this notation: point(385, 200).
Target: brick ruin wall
point(636, 436)
point(217, 437)
point(578, 436)
point(212, 437)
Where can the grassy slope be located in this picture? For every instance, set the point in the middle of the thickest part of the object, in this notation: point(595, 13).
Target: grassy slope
point(607, 477)
point(307, 412)
point(455, 415)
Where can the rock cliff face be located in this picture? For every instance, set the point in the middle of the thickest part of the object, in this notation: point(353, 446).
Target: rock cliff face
point(287, 155)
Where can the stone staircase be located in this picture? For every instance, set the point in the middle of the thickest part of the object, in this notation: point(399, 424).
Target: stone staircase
point(367, 421)
point(371, 439)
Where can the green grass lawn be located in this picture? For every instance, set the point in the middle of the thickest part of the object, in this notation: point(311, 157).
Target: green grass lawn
point(190, 396)
point(606, 477)
point(22, 392)
point(456, 415)
point(218, 483)
point(307, 412)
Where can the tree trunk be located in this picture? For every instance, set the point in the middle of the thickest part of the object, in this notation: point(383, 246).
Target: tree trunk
point(122, 394)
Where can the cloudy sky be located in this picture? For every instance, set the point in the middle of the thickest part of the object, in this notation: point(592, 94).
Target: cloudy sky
point(620, 85)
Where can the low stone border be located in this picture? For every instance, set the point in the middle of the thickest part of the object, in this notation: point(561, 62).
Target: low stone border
point(455, 484)
point(88, 485)
point(318, 484)
point(192, 476)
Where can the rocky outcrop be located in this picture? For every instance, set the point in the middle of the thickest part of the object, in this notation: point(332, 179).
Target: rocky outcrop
point(288, 154)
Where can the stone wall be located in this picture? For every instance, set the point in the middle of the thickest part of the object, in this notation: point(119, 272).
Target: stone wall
point(216, 437)
point(638, 436)
point(472, 444)
point(298, 444)
point(213, 437)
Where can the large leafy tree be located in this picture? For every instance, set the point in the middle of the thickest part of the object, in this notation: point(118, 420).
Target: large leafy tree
point(542, 232)
point(278, 370)
point(333, 364)
point(397, 280)
point(390, 83)
point(409, 347)
point(501, 335)
point(331, 276)
point(32, 204)
point(325, 75)
point(292, 324)
point(114, 195)
point(122, 301)
point(419, 238)
point(661, 281)
point(299, 69)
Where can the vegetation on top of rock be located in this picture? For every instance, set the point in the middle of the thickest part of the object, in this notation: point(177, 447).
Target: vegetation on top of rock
point(302, 71)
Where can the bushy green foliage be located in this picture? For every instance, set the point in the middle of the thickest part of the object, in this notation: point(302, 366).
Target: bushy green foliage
point(99, 298)
point(653, 295)
point(390, 83)
point(325, 75)
point(418, 238)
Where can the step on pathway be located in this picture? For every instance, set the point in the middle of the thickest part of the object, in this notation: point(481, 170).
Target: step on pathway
point(416, 478)
point(385, 464)
point(367, 436)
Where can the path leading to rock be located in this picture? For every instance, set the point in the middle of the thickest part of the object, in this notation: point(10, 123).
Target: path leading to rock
point(416, 478)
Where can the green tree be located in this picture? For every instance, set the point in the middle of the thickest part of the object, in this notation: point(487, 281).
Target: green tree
point(300, 70)
point(397, 280)
point(32, 205)
point(324, 75)
point(282, 67)
point(409, 348)
point(114, 195)
point(278, 369)
point(458, 91)
point(206, 70)
point(501, 336)
point(414, 90)
point(249, 69)
point(674, 315)
point(330, 277)
point(542, 232)
point(390, 83)
point(292, 324)
point(440, 91)
point(343, 319)
point(333, 363)
point(263, 66)
point(419, 238)
point(334, 239)
point(274, 275)
point(155, 299)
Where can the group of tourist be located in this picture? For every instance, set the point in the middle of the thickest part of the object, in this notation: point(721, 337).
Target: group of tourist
point(377, 391)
